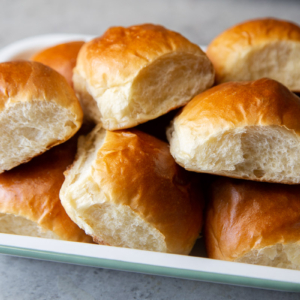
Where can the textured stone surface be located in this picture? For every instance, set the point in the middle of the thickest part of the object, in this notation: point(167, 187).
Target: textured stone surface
point(28, 279)
point(200, 21)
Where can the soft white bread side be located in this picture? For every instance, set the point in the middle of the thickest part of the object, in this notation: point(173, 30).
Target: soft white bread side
point(245, 130)
point(137, 74)
point(256, 49)
point(61, 58)
point(126, 190)
point(254, 222)
point(29, 197)
point(38, 110)
point(13, 224)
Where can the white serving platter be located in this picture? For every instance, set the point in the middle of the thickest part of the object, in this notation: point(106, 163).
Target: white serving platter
point(195, 266)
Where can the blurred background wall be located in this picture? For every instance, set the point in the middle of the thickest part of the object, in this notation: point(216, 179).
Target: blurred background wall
point(198, 20)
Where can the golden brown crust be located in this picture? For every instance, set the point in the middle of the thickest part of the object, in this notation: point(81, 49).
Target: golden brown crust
point(123, 78)
point(61, 58)
point(158, 189)
point(24, 81)
point(121, 52)
point(255, 31)
point(133, 171)
point(242, 216)
point(237, 104)
point(32, 191)
point(230, 47)
point(245, 130)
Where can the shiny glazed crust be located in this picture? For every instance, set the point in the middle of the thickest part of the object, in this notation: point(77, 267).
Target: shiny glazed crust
point(31, 191)
point(237, 104)
point(133, 171)
point(214, 131)
point(23, 81)
point(38, 110)
point(243, 216)
point(119, 70)
point(61, 58)
point(255, 49)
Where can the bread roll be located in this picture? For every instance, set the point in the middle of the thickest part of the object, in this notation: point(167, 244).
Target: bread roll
point(38, 110)
point(254, 222)
point(61, 58)
point(256, 49)
point(131, 75)
point(126, 190)
point(29, 197)
point(245, 130)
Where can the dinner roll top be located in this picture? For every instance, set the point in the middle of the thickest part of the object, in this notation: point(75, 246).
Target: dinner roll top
point(254, 222)
point(38, 110)
point(126, 190)
point(61, 58)
point(241, 129)
point(29, 197)
point(131, 75)
point(256, 49)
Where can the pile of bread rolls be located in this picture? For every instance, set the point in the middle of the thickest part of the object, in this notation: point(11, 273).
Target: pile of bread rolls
point(124, 188)
point(128, 188)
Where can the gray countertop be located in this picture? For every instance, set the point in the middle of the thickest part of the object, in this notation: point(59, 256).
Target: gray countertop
point(200, 21)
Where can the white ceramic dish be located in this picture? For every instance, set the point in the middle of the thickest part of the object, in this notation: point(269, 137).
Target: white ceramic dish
point(24, 49)
point(195, 266)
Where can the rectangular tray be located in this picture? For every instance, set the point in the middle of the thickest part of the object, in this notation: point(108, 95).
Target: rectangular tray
point(195, 266)
point(172, 265)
